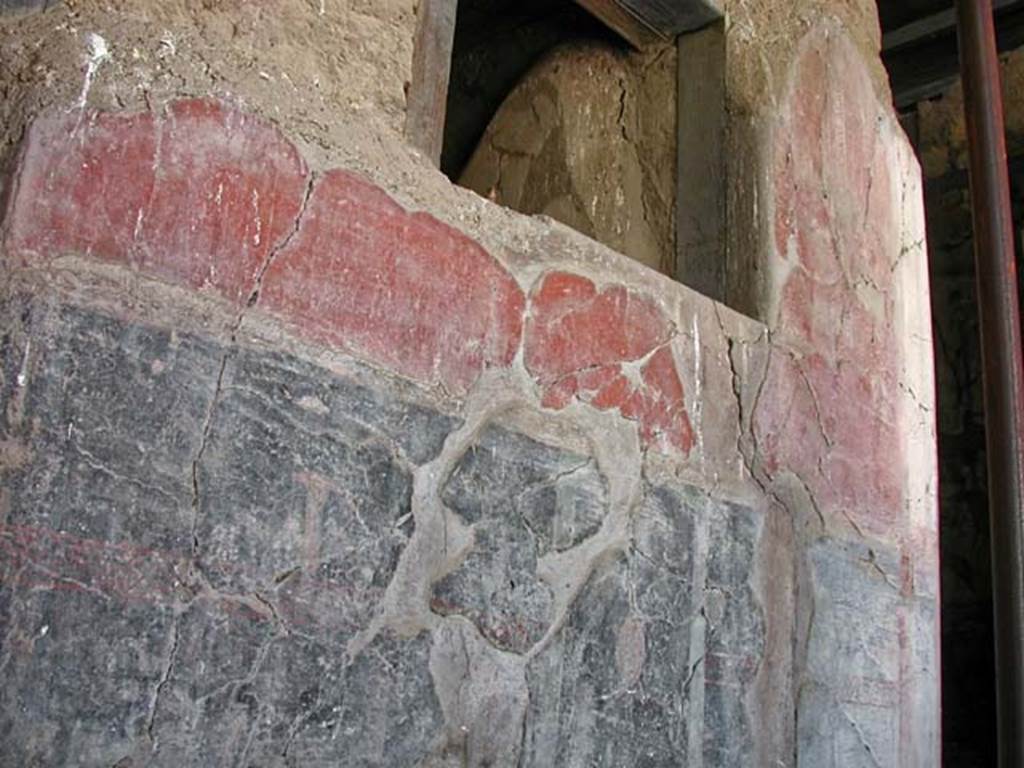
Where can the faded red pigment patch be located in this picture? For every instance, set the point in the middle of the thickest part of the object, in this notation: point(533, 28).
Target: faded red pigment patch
point(198, 195)
point(396, 288)
point(40, 559)
point(204, 194)
point(608, 348)
point(828, 410)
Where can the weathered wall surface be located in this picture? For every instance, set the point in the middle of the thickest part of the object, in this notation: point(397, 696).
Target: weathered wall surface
point(312, 458)
point(850, 317)
point(297, 559)
point(589, 138)
point(763, 38)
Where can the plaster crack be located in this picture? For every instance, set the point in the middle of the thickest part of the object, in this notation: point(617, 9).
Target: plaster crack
point(746, 437)
point(909, 391)
point(860, 736)
point(867, 195)
point(871, 174)
point(13, 624)
point(853, 523)
point(906, 250)
point(232, 343)
point(692, 673)
point(204, 438)
point(621, 117)
point(872, 561)
point(164, 678)
point(818, 420)
point(272, 255)
point(269, 605)
point(551, 482)
point(248, 680)
point(814, 503)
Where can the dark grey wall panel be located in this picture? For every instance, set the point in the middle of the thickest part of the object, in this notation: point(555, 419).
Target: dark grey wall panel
point(199, 541)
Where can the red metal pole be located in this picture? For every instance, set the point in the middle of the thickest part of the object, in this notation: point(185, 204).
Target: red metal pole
point(1003, 373)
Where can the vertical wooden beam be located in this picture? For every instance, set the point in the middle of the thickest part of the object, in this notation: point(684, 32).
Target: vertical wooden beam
point(431, 67)
point(701, 215)
point(637, 31)
point(644, 22)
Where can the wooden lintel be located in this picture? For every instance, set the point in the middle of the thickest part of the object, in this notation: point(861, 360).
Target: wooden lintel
point(643, 22)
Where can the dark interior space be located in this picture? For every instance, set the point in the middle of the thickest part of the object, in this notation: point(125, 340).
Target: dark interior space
point(921, 56)
point(969, 713)
point(967, 633)
point(496, 43)
point(895, 14)
point(919, 44)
